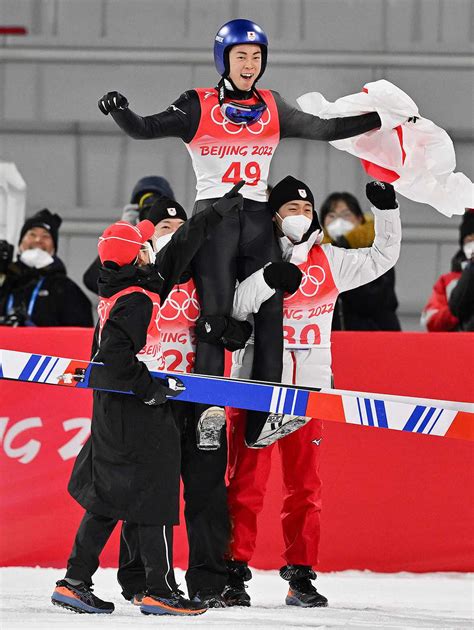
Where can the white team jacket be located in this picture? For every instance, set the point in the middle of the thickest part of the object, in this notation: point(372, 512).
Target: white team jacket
point(307, 314)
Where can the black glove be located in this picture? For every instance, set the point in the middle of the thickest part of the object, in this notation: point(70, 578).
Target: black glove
point(283, 275)
point(232, 200)
point(381, 195)
point(6, 255)
point(221, 330)
point(162, 389)
point(111, 102)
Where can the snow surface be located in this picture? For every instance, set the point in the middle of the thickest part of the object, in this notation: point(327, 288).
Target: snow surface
point(357, 600)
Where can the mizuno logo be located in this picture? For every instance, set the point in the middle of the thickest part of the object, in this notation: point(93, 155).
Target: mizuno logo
point(317, 442)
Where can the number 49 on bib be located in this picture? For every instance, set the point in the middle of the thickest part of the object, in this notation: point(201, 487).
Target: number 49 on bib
point(234, 173)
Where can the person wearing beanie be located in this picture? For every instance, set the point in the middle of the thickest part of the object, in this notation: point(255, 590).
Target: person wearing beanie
point(204, 489)
point(371, 306)
point(326, 271)
point(451, 303)
point(36, 290)
point(135, 441)
point(231, 131)
point(145, 192)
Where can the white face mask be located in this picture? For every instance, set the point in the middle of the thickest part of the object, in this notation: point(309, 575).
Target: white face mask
point(295, 227)
point(339, 227)
point(151, 253)
point(468, 249)
point(36, 258)
point(161, 241)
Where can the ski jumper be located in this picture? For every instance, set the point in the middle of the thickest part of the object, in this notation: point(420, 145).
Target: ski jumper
point(327, 271)
point(222, 154)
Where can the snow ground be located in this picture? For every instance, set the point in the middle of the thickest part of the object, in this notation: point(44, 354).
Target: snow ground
point(357, 600)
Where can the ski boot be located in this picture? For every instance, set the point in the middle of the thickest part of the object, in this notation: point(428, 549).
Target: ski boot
point(302, 592)
point(209, 599)
point(235, 592)
point(277, 426)
point(209, 429)
point(172, 604)
point(79, 599)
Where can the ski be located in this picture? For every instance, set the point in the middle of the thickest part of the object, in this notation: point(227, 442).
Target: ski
point(400, 413)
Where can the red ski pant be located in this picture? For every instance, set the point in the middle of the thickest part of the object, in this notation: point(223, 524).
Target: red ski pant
point(248, 474)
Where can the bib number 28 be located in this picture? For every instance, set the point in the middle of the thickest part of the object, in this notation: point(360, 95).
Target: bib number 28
point(251, 173)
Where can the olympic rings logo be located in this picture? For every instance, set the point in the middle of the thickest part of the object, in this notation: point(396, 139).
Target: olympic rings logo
point(180, 303)
point(223, 122)
point(312, 279)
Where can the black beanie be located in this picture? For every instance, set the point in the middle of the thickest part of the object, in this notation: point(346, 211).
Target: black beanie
point(151, 184)
point(289, 189)
point(46, 220)
point(165, 208)
point(467, 225)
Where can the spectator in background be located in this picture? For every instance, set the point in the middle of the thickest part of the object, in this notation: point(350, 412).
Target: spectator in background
point(451, 303)
point(372, 306)
point(147, 190)
point(36, 290)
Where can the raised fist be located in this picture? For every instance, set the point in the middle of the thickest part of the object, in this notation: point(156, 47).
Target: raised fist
point(381, 195)
point(112, 102)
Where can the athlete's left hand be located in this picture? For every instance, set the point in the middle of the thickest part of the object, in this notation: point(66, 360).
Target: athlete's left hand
point(381, 195)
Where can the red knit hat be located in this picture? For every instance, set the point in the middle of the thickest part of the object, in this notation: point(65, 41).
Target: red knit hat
point(121, 242)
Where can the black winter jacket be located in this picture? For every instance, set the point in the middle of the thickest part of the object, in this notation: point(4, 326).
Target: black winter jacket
point(129, 468)
point(59, 301)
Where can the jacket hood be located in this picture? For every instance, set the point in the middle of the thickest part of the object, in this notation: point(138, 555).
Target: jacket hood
point(112, 281)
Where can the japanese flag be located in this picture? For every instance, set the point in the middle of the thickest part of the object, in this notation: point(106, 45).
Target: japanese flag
point(417, 158)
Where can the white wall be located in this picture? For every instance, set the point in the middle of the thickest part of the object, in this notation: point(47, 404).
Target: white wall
point(77, 162)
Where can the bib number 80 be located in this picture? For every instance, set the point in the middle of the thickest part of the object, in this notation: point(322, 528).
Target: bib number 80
point(251, 174)
point(309, 335)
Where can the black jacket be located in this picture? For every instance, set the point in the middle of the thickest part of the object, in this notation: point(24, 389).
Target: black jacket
point(181, 120)
point(461, 300)
point(59, 301)
point(369, 307)
point(129, 467)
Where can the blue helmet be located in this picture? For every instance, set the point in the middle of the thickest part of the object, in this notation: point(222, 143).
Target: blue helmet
point(238, 32)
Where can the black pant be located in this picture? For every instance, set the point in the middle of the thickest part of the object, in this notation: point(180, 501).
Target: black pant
point(240, 245)
point(206, 515)
point(154, 546)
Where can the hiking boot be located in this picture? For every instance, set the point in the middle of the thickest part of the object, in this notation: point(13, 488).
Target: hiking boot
point(302, 591)
point(79, 599)
point(172, 604)
point(209, 599)
point(235, 592)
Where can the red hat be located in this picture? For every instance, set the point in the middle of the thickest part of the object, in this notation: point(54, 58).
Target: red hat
point(121, 242)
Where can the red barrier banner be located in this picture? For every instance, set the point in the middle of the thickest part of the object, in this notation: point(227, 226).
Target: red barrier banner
point(391, 501)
